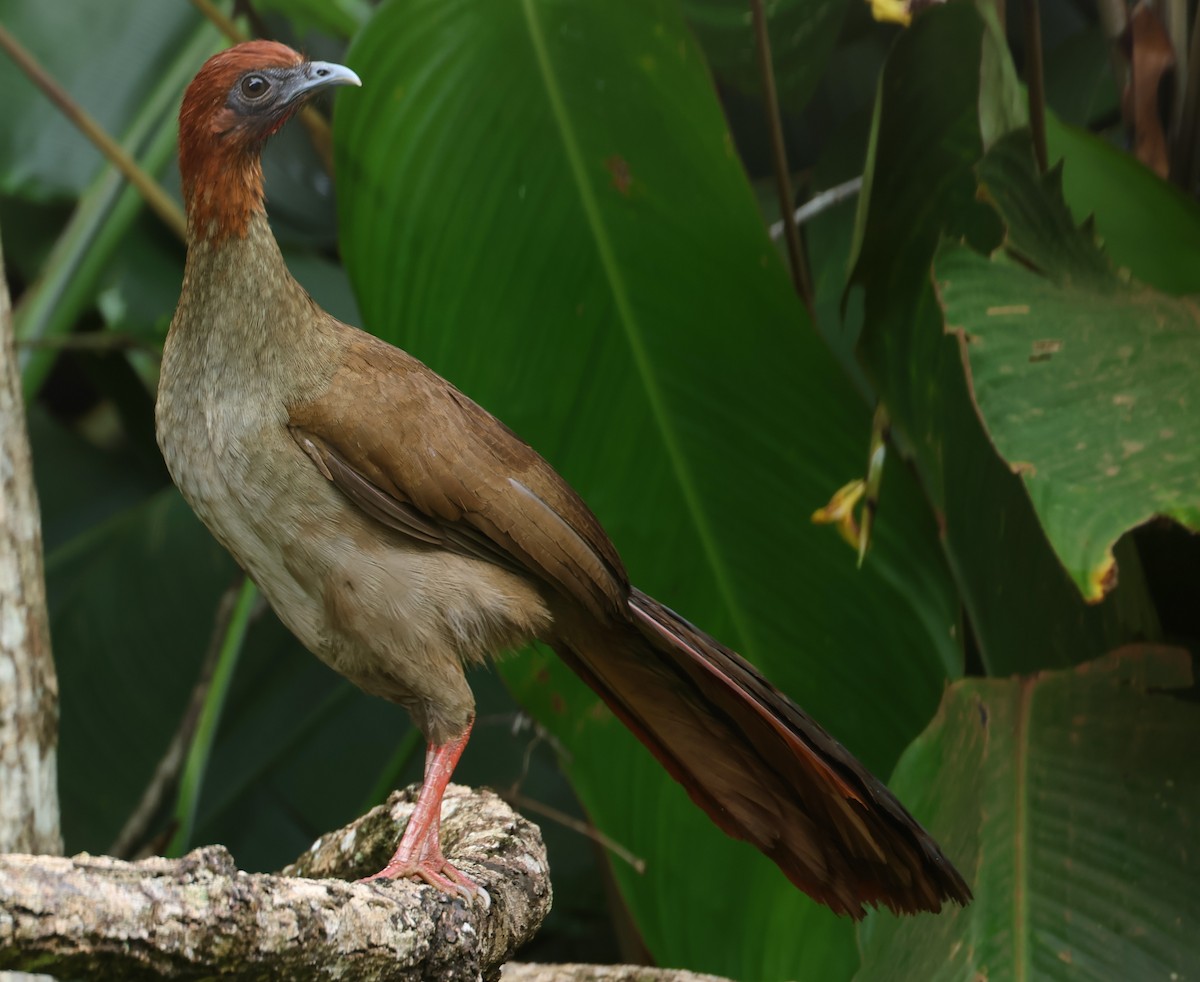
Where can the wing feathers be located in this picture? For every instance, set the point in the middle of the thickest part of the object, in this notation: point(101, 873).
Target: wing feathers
point(433, 465)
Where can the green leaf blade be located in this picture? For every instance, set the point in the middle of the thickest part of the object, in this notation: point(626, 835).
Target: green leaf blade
point(542, 201)
point(1068, 797)
point(1147, 225)
point(920, 187)
point(1084, 380)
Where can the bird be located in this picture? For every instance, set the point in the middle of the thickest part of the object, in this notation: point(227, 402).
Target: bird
point(404, 535)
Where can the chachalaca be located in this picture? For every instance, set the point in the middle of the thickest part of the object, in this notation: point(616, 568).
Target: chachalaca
point(403, 534)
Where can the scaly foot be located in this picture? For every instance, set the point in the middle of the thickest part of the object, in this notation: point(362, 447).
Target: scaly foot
point(438, 872)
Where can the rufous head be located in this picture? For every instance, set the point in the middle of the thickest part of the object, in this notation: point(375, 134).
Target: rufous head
point(238, 99)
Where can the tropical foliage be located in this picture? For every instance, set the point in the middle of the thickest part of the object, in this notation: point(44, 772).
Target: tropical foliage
point(563, 207)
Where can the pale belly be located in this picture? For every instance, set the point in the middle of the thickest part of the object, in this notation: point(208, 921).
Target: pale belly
point(268, 531)
point(397, 618)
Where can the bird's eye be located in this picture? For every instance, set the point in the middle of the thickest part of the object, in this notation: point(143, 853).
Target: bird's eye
point(255, 86)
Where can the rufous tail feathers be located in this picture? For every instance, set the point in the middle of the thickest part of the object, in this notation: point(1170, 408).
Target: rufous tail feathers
point(760, 767)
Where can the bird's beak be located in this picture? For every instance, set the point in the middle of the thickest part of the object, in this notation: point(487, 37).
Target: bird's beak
point(313, 76)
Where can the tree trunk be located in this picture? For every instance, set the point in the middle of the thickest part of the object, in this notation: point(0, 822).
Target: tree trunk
point(28, 686)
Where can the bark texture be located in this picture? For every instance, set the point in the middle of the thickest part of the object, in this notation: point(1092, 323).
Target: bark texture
point(28, 685)
point(199, 916)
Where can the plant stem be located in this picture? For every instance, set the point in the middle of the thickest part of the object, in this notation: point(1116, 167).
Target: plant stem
point(518, 800)
point(99, 342)
point(1035, 81)
point(166, 776)
point(1183, 153)
point(1175, 22)
point(223, 24)
point(796, 257)
point(1114, 17)
point(150, 190)
point(820, 202)
point(102, 217)
point(210, 716)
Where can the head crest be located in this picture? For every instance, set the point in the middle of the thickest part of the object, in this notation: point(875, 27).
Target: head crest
point(219, 145)
point(205, 99)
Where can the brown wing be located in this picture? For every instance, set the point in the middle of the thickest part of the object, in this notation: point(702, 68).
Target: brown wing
point(419, 456)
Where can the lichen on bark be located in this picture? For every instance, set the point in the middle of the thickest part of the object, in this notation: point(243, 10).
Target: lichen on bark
point(28, 685)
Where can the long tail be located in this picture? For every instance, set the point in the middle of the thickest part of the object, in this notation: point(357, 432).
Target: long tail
point(762, 769)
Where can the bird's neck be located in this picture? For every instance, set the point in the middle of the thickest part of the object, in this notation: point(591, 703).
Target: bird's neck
point(222, 189)
point(243, 272)
point(242, 315)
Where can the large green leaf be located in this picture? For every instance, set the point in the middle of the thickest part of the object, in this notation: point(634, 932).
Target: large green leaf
point(938, 98)
point(1146, 225)
point(1084, 380)
point(540, 199)
point(110, 57)
point(1072, 798)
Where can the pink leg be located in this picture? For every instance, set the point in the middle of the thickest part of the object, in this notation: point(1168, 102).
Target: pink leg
point(419, 854)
